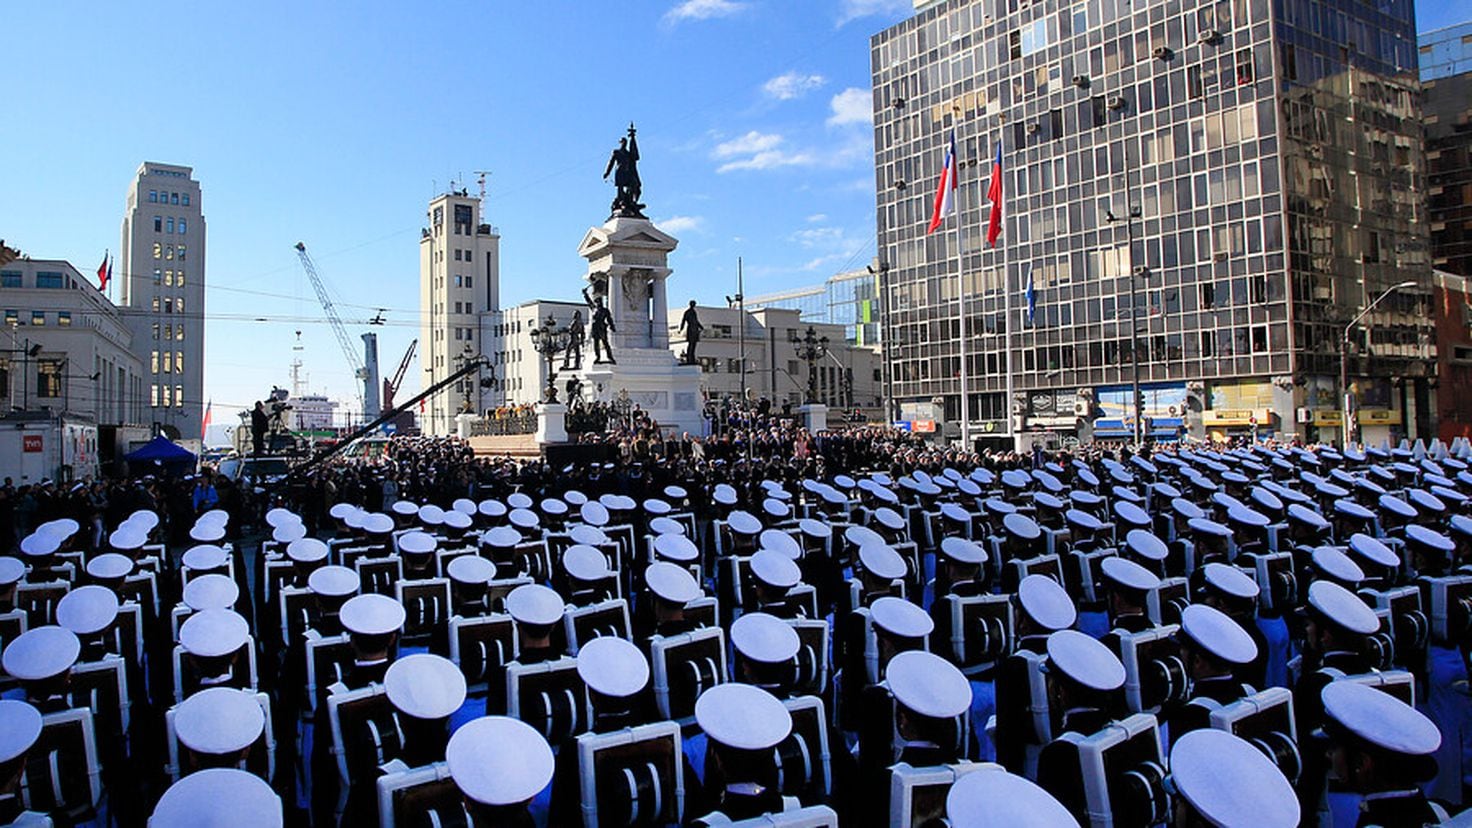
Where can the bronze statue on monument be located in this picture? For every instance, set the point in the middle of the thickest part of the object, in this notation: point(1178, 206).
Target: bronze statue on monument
point(624, 164)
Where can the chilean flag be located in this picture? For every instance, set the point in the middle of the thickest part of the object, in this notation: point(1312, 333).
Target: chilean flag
point(104, 271)
point(994, 195)
point(204, 425)
point(945, 193)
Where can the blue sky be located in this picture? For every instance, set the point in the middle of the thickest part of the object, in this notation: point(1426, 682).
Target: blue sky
point(334, 124)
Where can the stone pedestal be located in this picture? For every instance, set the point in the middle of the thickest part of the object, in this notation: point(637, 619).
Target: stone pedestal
point(551, 425)
point(462, 425)
point(814, 417)
point(627, 268)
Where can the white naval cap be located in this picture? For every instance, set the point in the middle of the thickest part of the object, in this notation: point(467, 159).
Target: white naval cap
point(742, 716)
point(672, 583)
point(280, 517)
point(41, 653)
point(591, 535)
point(765, 638)
point(471, 569)
point(815, 528)
point(431, 515)
point(501, 537)
point(205, 556)
point(1342, 607)
point(306, 550)
point(333, 581)
point(464, 506)
point(519, 500)
point(1230, 783)
point(1380, 719)
point(954, 512)
point(1021, 526)
point(87, 610)
point(372, 614)
point(655, 506)
point(535, 604)
point(457, 520)
point(743, 523)
point(39, 543)
point(1230, 581)
point(585, 563)
point(213, 633)
point(402, 508)
point(775, 569)
point(210, 592)
point(125, 538)
point(1144, 543)
point(1215, 632)
point(425, 686)
point(417, 543)
point(780, 542)
point(355, 518)
point(13, 569)
point(210, 532)
point(288, 532)
point(889, 518)
point(1128, 574)
point(724, 494)
point(491, 508)
point(593, 513)
point(497, 760)
point(1372, 550)
point(20, 726)
point(573, 497)
point(1085, 660)
point(963, 551)
point(928, 684)
point(613, 667)
point(899, 617)
point(377, 523)
point(144, 518)
point(990, 797)
point(676, 493)
point(218, 798)
point(1334, 563)
point(1046, 602)
point(660, 526)
point(676, 548)
point(219, 721)
point(862, 536)
point(880, 560)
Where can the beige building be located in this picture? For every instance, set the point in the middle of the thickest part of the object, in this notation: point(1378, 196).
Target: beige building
point(161, 273)
point(459, 297)
point(519, 369)
point(67, 347)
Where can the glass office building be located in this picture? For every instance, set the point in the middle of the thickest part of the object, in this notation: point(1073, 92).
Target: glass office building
point(850, 299)
point(1261, 161)
point(1446, 76)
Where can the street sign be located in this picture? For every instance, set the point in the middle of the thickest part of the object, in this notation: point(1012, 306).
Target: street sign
point(902, 425)
point(924, 426)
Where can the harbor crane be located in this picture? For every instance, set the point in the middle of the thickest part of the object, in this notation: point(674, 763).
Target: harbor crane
point(365, 368)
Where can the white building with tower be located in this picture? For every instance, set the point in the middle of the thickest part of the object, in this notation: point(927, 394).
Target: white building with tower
point(459, 300)
point(161, 277)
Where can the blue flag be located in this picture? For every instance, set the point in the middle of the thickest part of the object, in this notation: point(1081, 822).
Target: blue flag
point(1032, 298)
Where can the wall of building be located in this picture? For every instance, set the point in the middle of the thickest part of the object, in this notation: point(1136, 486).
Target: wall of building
point(521, 370)
point(849, 299)
point(1448, 118)
point(1453, 356)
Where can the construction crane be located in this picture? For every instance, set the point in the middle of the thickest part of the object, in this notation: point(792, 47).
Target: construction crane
point(391, 387)
point(369, 377)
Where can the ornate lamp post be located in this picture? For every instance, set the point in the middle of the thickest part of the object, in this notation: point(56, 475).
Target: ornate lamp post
point(623, 406)
point(810, 349)
point(550, 340)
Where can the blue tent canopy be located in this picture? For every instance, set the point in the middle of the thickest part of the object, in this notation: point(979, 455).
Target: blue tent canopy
point(162, 450)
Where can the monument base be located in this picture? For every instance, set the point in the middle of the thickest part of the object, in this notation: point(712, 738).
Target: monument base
point(462, 425)
point(665, 390)
point(814, 417)
point(551, 425)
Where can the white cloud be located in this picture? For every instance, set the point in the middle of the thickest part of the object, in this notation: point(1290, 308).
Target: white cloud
point(792, 85)
point(851, 106)
point(702, 10)
point(850, 10)
point(751, 142)
point(758, 151)
point(817, 217)
point(768, 160)
point(818, 237)
point(679, 224)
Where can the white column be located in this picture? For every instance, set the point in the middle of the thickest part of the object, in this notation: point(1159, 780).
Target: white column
point(660, 332)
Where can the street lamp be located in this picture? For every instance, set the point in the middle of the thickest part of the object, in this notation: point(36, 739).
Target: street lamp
point(623, 405)
point(549, 341)
point(464, 359)
point(1129, 224)
point(1346, 427)
point(810, 349)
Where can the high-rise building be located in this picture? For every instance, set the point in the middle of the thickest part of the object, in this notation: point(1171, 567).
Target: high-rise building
point(459, 300)
point(162, 278)
point(1208, 193)
point(1446, 77)
point(850, 299)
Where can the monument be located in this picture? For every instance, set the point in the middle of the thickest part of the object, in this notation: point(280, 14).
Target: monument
point(628, 322)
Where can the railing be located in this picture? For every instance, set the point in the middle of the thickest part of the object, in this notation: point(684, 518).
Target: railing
point(515, 423)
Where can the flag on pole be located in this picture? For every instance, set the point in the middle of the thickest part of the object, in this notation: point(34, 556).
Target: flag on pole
point(945, 192)
point(104, 271)
point(1032, 298)
point(204, 425)
point(994, 195)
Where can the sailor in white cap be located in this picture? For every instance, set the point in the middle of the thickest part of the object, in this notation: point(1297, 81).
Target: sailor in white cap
point(331, 587)
point(403, 511)
point(214, 641)
point(589, 579)
point(1336, 625)
point(774, 575)
point(417, 549)
point(1129, 586)
point(504, 771)
point(373, 623)
point(41, 659)
point(919, 715)
point(217, 798)
point(745, 528)
point(89, 612)
point(881, 571)
point(742, 724)
point(470, 577)
point(20, 727)
point(12, 570)
point(217, 728)
point(990, 797)
point(1235, 593)
point(205, 558)
point(428, 691)
point(766, 652)
point(1084, 679)
point(671, 589)
point(1383, 750)
point(538, 611)
point(378, 534)
point(1213, 647)
point(456, 525)
point(1222, 780)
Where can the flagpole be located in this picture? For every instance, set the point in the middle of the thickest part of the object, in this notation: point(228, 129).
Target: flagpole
point(961, 302)
point(1007, 312)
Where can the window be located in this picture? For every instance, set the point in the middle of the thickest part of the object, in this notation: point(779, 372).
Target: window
point(181, 225)
point(158, 276)
point(186, 199)
point(153, 196)
point(179, 332)
point(64, 318)
point(158, 224)
point(48, 378)
point(168, 331)
point(12, 316)
point(181, 252)
point(158, 251)
point(1080, 19)
point(50, 279)
point(169, 252)
point(1245, 74)
point(155, 304)
point(167, 398)
point(168, 362)
point(155, 332)
point(153, 362)
point(170, 224)
point(1208, 295)
point(179, 305)
point(10, 278)
point(1194, 84)
point(469, 282)
point(457, 254)
point(1014, 45)
point(38, 318)
point(459, 282)
point(173, 198)
point(168, 278)
point(1034, 36)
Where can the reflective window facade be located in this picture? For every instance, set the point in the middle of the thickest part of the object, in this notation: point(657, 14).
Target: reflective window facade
point(1271, 149)
point(850, 299)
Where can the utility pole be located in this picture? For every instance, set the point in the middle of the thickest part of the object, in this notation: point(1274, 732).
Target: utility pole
point(741, 324)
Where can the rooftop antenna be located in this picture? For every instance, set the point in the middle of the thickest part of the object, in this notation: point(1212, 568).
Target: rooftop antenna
point(481, 180)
